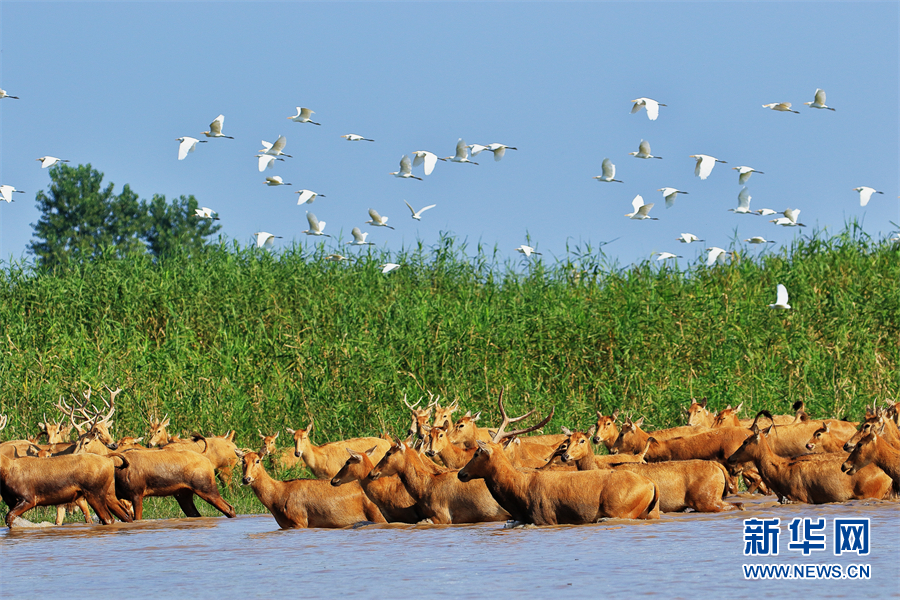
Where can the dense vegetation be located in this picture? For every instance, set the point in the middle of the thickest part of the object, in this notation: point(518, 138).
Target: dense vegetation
point(232, 338)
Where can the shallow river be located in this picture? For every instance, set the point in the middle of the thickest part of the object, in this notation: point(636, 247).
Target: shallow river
point(681, 556)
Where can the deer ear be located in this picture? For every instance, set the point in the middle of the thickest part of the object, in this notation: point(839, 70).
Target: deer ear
point(371, 451)
point(591, 431)
point(615, 414)
point(140, 439)
point(483, 447)
point(703, 402)
point(477, 416)
point(239, 453)
point(290, 431)
point(737, 409)
point(355, 457)
point(165, 423)
point(639, 422)
point(566, 430)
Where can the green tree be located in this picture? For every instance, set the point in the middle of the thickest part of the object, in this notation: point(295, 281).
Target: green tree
point(175, 227)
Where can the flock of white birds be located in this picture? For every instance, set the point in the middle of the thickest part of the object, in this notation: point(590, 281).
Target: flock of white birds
point(273, 152)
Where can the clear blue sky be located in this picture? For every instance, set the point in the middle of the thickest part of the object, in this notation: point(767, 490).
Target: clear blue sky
point(113, 85)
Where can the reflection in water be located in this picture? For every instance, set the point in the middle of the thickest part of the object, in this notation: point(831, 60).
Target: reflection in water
point(682, 555)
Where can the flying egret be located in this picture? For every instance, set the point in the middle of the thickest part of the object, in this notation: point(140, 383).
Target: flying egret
point(609, 171)
point(267, 161)
point(758, 239)
point(264, 238)
point(275, 149)
point(462, 154)
point(476, 149)
point(377, 220)
point(429, 158)
point(527, 251)
point(665, 255)
point(744, 173)
point(669, 194)
point(3, 94)
point(418, 215)
point(819, 101)
point(764, 212)
point(316, 227)
point(705, 164)
point(307, 197)
point(641, 210)
point(652, 107)
point(6, 193)
point(335, 257)
point(687, 238)
point(716, 254)
point(206, 213)
point(303, 116)
point(405, 171)
point(499, 150)
point(865, 193)
point(215, 128)
point(781, 298)
point(792, 213)
point(789, 219)
point(781, 107)
point(743, 203)
point(643, 151)
point(49, 161)
point(388, 267)
point(359, 238)
point(187, 145)
point(352, 137)
point(275, 180)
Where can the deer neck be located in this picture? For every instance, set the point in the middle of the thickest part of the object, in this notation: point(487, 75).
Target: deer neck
point(455, 457)
point(415, 477)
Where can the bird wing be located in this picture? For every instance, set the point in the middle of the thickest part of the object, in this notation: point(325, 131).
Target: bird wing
point(358, 235)
point(266, 146)
point(792, 214)
point(865, 193)
point(313, 221)
point(430, 161)
point(405, 165)
point(411, 209)
point(820, 97)
point(265, 162)
point(187, 145)
point(430, 206)
point(670, 197)
point(744, 176)
point(652, 109)
point(609, 169)
point(305, 113)
point(705, 166)
point(461, 149)
point(500, 153)
point(216, 126)
point(644, 147)
point(375, 216)
point(714, 254)
point(781, 296)
point(637, 203)
point(279, 144)
point(638, 105)
point(744, 199)
point(645, 209)
point(305, 196)
point(419, 157)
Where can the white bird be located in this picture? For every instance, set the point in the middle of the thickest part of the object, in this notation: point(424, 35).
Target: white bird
point(652, 107)
point(665, 255)
point(215, 128)
point(476, 149)
point(307, 197)
point(744, 173)
point(6, 193)
point(609, 171)
point(275, 180)
point(352, 137)
point(705, 164)
point(49, 161)
point(764, 212)
point(743, 203)
point(789, 219)
point(264, 238)
point(275, 149)
point(716, 254)
point(758, 239)
point(641, 210)
point(303, 116)
point(865, 193)
point(527, 250)
point(462, 154)
point(418, 215)
point(267, 161)
point(687, 238)
point(377, 220)
point(781, 298)
point(206, 213)
point(781, 107)
point(405, 171)
point(388, 267)
point(3, 94)
point(669, 194)
point(187, 145)
point(792, 213)
point(335, 257)
point(429, 158)
point(643, 151)
point(316, 227)
point(359, 238)
point(499, 150)
point(819, 101)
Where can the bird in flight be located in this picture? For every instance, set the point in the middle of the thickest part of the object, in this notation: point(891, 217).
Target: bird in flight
point(705, 164)
point(388, 267)
point(316, 227)
point(275, 149)
point(267, 161)
point(865, 193)
point(652, 107)
point(215, 128)
point(499, 150)
point(609, 172)
point(669, 194)
point(206, 213)
point(3, 94)
point(743, 203)
point(781, 298)
point(275, 180)
point(377, 220)
point(527, 251)
point(352, 137)
point(49, 161)
point(429, 158)
point(462, 154)
point(6, 193)
point(418, 215)
point(819, 101)
point(405, 171)
point(264, 238)
point(758, 239)
point(744, 173)
point(643, 151)
point(359, 238)
point(641, 210)
point(781, 107)
point(687, 238)
point(307, 197)
point(303, 116)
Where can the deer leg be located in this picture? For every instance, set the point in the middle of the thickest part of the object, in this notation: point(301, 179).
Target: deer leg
point(23, 505)
point(84, 509)
point(60, 514)
point(99, 506)
point(137, 504)
point(185, 500)
point(217, 501)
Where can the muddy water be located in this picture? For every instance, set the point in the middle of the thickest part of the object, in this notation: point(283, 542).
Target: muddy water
point(680, 556)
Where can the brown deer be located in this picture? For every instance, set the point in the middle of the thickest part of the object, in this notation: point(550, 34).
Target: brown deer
point(326, 460)
point(280, 458)
point(791, 440)
point(578, 451)
point(27, 482)
point(302, 503)
point(388, 493)
point(875, 418)
point(465, 433)
point(420, 416)
point(698, 415)
point(814, 479)
point(605, 430)
point(443, 415)
point(632, 438)
point(872, 449)
point(219, 449)
point(555, 497)
point(826, 440)
point(443, 498)
point(56, 433)
point(167, 473)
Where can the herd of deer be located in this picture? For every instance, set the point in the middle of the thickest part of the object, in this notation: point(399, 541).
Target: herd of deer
point(449, 471)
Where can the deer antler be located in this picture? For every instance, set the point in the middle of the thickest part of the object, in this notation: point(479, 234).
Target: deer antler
point(432, 400)
point(3, 421)
point(410, 406)
point(500, 435)
point(112, 403)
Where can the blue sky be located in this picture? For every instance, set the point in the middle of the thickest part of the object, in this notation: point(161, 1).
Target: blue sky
point(113, 85)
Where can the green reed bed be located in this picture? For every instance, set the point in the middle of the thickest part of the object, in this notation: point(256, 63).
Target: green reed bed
point(237, 338)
